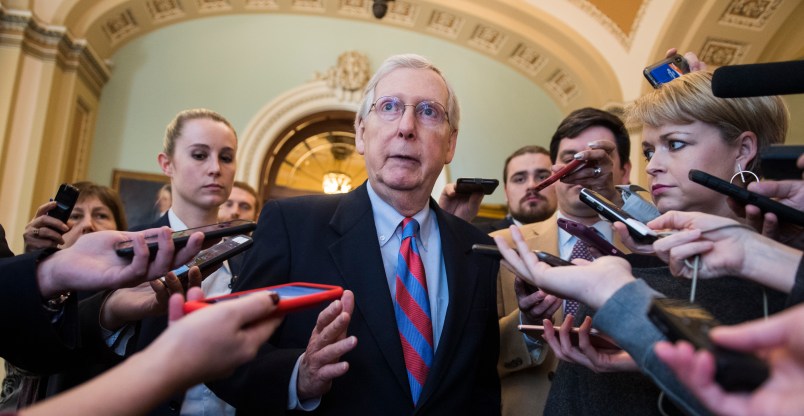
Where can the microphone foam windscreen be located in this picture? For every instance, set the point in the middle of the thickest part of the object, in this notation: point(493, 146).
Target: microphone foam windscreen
point(777, 78)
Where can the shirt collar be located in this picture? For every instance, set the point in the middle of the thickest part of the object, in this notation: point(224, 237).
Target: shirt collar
point(387, 220)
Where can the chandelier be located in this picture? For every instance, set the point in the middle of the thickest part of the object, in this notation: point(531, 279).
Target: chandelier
point(337, 183)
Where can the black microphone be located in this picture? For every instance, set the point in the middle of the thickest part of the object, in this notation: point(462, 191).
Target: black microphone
point(753, 80)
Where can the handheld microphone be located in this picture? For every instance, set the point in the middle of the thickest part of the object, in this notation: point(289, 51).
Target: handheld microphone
point(753, 80)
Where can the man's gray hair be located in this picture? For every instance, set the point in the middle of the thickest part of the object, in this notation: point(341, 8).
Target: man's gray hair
point(412, 61)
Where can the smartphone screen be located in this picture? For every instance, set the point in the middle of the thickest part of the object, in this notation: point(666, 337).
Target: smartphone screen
point(666, 70)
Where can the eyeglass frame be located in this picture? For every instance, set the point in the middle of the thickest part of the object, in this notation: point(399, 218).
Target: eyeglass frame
point(405, 107)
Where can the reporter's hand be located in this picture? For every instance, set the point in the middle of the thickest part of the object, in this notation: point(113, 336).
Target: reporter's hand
point(92, 264)
point(732, 251)
point(463, 206)
point(321, 361)
point(597, 156)
point(534, 305)
point(589, 283)
point(596, 359)
point(628, 241)
point(210, 343)
point(781, 343)
point(144, 300)
point(692, 59)
point(788, 192)
point(44, 231)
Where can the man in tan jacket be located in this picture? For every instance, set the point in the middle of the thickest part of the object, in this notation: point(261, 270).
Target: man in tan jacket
point(526, 364)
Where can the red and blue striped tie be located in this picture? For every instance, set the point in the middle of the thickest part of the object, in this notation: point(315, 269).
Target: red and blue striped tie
point(412, 307)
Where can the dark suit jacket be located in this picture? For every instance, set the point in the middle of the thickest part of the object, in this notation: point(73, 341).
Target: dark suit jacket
point(150, 328)
point(332, 240)
point(4, 250)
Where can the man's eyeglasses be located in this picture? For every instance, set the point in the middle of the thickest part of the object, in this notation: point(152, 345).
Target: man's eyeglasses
point(428, 113)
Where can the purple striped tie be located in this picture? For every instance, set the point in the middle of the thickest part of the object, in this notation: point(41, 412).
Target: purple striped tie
point(579, 251)
point(412, 307)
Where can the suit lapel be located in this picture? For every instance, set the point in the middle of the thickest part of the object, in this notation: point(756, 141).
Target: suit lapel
point(357, 255)
point(461, 280)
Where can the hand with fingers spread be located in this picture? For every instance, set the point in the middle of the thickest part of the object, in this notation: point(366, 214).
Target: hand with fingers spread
point(726, 248)
point(598, 360)
point(589, 283)
point(597, 174)
point(146, 299)
point(779, 339)
point(463, 206)
point(92, 264)
point(328, 343)
point(44, 231)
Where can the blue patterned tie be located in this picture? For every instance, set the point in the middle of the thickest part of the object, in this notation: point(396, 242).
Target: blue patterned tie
point(412, 308)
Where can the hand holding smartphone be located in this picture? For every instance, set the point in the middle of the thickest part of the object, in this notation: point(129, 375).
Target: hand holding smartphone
point(597, 339)
point(681, 320)
point(744, 196)
point(640, 232)
point(666, 70)
point(292, 296)
point(472, 185)
point(212, 231)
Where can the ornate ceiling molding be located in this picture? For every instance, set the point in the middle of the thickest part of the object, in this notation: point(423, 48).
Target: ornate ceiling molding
point(625, 39)
point(531, 43)
point(53, 43)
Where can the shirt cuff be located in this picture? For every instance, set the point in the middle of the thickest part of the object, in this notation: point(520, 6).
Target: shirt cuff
point(535, 346)
point(294, 403)
point(118, 340)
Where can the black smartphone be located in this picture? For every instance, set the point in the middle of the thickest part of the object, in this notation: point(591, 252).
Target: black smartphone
point(589, 236)
point(66, 197)
point(778, 161)
point(681, 320)
point(567, 170)
point(492, 250)
point(638, 231)
point(212, 257)
point(666, 70)
point(211, 232)
point(597, 339)
point(472, 185)
point(744, 196)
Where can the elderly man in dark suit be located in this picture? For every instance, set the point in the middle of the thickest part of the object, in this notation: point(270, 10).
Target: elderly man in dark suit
point(416, 331)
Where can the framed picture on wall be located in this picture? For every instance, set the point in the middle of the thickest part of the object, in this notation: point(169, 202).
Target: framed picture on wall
point(139, 192)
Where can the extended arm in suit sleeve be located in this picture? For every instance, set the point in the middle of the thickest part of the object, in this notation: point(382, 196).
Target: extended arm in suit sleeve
point(514, 353)
point(624, 315)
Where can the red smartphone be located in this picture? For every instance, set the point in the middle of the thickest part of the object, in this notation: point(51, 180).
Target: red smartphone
point(292, 296)
point(589, 236)
point(568, 169)
point(597, 339)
